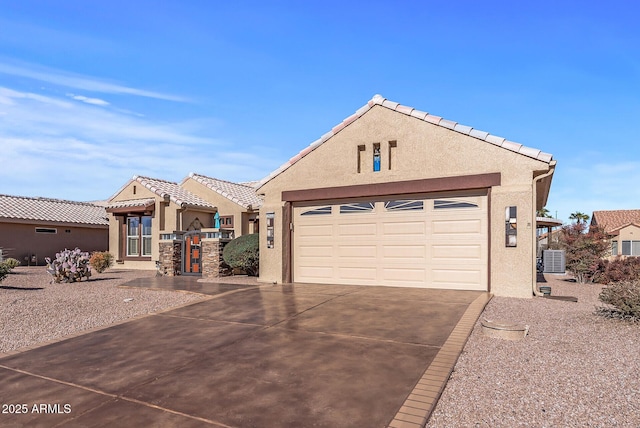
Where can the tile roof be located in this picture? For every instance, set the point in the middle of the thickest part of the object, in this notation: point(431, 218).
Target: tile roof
point(173, 191)
point(52, 210)
point(131, 203)
point(613, 220)
point(410, 111)
point(243, 194)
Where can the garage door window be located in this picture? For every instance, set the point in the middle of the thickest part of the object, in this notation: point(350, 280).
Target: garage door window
point(318, 211)
point(443, 204)
point(404, 205)
point(359, 207)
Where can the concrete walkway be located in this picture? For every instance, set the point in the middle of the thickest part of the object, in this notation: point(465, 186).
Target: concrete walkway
point(270, 356)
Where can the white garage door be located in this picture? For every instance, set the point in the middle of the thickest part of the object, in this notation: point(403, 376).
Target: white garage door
point(434, 242)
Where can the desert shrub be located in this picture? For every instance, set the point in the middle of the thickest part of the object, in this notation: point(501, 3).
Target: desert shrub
point(623, 299)
point(583, 250)
point(11, 263)
point(69, 266)
point(618, 270)
point(101, 260)
point(243, 253)
point(4, 271)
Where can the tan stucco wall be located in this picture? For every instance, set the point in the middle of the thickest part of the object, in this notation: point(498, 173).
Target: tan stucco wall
point(627, 233)
point(225, 206)
point(423, 151)
point(20, 240)
point(165, 218)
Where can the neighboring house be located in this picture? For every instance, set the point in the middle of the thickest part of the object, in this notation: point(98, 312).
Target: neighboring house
point(395, 196)
point(147, 209)
point(624, 228)
point(34, 228)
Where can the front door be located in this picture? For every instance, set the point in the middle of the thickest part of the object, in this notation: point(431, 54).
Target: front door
point(192, 253)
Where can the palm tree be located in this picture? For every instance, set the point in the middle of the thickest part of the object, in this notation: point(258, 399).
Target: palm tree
point(543, 212)
point(579, 217)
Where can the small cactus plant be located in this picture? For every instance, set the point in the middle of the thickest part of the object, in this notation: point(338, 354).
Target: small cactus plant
point(69, 266)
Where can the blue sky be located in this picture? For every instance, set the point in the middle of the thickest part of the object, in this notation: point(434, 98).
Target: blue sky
point(92, 92)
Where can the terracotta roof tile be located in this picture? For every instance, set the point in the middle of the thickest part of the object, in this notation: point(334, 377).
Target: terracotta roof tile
point(410, 111)
point(174, 191)
point(131, 203)
point(613, 220)
point(52, 210)
point(240, 193)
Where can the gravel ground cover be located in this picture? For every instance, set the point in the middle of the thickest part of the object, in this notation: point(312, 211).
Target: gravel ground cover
point(574, 369)
point(35, 311)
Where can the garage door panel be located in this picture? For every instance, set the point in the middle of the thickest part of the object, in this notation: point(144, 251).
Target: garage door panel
point(359, 251)
point(309, 251)
point(456, 252)
point(397, 275)
point(315, 273)
point(456, 227)
point(403, 228)
point(357, 273)
point(357, 229)
point(456, 276)
point(314, 231)
point(425, 246)
point(415, 253)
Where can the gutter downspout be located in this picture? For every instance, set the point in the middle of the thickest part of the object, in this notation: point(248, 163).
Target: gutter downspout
point(552, 168)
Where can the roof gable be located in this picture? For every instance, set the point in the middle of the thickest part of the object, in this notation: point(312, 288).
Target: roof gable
point(613, 220)
point(166, 189)
point(378, 100)
point(52, 210)
point(243, 194)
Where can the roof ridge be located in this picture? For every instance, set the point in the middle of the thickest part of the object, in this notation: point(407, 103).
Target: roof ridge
point(194, 174)
point(44, 198)
point(142, 177)
point(424, 116)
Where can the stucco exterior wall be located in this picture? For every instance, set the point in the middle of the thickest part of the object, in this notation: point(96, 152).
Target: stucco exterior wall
point(20, 240)
point(422, 151)
point(165, 218)
point(629, 233)
point(224, 205)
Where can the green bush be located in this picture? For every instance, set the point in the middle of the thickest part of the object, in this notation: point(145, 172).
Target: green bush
point(101, 260)
point(69, 266)
point(11, 263)
point(623, 299)
point(243, 253)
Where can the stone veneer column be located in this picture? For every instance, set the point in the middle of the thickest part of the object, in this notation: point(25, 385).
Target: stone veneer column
point(213, 266)
point(170, 257)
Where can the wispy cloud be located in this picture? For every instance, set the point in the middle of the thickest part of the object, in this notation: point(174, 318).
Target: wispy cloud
point(77, 81)
point(76, 151)
point(94, 101)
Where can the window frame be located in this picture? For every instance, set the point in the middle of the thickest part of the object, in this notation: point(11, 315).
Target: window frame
point(140, 237)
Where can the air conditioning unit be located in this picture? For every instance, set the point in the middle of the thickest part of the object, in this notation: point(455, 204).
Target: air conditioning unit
point(554, 261)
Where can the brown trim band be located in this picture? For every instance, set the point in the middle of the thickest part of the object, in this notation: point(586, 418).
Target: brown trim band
point(462, 182)
point(147, 209)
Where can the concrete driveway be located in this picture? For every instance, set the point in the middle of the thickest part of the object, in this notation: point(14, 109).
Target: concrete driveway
point(274, 356)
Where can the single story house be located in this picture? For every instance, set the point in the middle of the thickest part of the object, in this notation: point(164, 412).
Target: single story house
point(623, 226)
point(396, 196)
point(157, 221)
point(34, 228)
